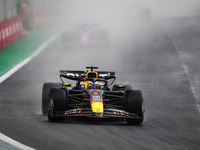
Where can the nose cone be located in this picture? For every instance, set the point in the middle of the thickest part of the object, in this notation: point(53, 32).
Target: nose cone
point(97, 107)
point(98, 115)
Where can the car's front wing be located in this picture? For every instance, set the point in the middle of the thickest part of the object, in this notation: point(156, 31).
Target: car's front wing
point(87, 112)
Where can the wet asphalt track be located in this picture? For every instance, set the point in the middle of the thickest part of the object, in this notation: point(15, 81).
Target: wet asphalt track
point(147, 59)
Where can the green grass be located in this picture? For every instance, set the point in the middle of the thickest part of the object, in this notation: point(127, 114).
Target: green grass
point(22, 48)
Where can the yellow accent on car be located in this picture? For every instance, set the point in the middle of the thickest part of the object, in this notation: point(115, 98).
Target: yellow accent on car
point(91, 72)
point(97, 107)
point(121, 85)
point(124, 113)
point(85, 83)
point(66, 84)
point(101, 84)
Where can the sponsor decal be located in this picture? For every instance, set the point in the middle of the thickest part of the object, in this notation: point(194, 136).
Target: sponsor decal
point(96, 93)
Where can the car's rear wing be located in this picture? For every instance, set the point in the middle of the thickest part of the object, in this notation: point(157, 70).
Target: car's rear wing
point(106, 74)
point(72, 75)
point(78, 75)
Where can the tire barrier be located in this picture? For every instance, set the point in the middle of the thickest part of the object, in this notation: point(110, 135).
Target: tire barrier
point(10, 30)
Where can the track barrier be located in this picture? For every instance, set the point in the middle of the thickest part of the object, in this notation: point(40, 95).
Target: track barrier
point(7, 32)
point(10, 30)
point(3, 36)
point(0, 38)
point(14, 29)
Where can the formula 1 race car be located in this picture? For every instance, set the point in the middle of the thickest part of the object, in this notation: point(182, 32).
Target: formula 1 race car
point(91, 97)
point(85, 35)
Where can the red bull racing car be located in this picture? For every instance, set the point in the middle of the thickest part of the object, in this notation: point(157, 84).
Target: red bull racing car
point(91, 97)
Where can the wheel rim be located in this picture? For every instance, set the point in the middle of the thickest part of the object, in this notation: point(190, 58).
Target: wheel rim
point(51, 107)
point(143, 108)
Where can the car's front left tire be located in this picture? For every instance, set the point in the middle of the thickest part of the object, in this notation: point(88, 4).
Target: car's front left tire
point(45, 94)
point(57, 103)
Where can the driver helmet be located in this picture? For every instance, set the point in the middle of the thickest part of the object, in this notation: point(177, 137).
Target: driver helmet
point(96, 85)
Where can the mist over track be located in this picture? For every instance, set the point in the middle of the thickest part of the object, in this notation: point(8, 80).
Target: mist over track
point(149, 56)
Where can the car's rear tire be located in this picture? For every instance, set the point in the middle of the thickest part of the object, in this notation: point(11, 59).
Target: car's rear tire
point(57, 103)
point(45, 94)
point(134, 104)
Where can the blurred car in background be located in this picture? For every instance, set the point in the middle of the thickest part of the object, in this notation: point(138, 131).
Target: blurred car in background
point(85, 35)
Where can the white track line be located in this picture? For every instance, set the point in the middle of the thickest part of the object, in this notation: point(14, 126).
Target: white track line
point(14, 143)
point(27, 60)
point(185, 70)
point(11, 72)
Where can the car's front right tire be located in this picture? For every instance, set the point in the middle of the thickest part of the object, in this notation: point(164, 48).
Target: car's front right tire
point(134, 103)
